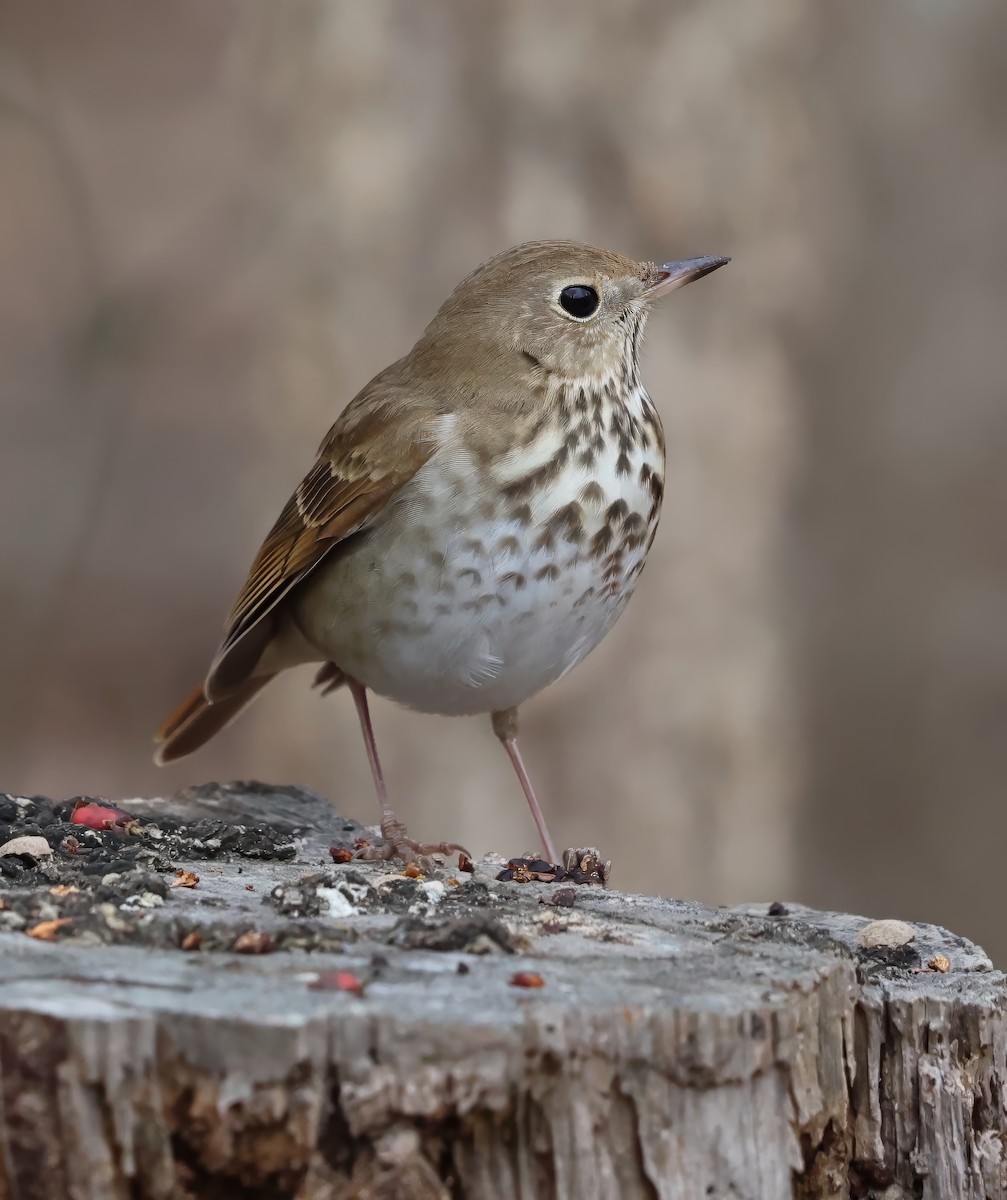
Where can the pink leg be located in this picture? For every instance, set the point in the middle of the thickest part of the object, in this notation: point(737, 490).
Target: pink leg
point(359, 694)
point(397, 843)
point(505, 727)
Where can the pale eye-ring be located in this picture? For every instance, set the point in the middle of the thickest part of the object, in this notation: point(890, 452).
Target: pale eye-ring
point(579, 300)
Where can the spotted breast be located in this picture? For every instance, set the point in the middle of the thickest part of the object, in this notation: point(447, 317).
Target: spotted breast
point(485, 581)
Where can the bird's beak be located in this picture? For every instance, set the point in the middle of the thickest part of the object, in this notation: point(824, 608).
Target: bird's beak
point(674, 275)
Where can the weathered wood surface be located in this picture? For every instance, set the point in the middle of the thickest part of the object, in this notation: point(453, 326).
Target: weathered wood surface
point(675, 1051)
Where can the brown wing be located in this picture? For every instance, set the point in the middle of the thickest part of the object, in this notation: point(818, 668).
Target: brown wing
point(363, 462)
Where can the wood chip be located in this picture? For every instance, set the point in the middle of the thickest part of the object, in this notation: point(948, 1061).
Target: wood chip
point(48, 931)
point(886, 933)
point(527, 979)
point(337, 981)
point(254, 941)
point(30, 847)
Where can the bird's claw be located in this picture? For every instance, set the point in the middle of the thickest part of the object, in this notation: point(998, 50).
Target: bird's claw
point(397, 844)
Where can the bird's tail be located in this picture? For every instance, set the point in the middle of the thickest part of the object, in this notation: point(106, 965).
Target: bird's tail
point(196, 720)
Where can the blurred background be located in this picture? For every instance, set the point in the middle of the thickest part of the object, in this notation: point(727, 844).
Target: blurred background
point(218, 221)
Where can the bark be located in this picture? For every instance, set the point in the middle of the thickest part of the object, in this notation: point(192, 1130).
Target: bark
point(673, 1051)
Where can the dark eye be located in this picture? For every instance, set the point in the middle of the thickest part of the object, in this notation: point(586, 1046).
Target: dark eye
point(578, 300)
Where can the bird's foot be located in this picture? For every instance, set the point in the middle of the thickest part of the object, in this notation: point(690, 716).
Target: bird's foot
point(396, 844)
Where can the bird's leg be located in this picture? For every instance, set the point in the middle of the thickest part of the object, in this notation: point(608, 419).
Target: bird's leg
point(505, 727)
point(397, 843)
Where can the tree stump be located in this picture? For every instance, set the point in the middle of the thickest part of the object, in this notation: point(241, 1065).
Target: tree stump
point(202, 1003)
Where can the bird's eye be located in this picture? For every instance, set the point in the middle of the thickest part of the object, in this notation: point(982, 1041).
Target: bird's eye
point(578, 300)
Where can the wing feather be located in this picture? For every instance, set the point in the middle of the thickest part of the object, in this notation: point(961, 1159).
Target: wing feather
point(369, 454)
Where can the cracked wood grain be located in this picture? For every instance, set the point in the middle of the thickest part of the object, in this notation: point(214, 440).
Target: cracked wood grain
point(675, 1052)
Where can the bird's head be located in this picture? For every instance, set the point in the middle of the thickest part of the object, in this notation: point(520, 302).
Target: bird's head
point(570, 310)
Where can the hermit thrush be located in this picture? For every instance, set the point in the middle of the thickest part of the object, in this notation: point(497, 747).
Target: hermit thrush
point(477, 517)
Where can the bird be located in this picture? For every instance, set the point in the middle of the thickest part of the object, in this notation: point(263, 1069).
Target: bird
point(476, 519)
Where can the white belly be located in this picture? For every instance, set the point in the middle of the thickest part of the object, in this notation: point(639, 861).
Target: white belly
point(451, 604)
